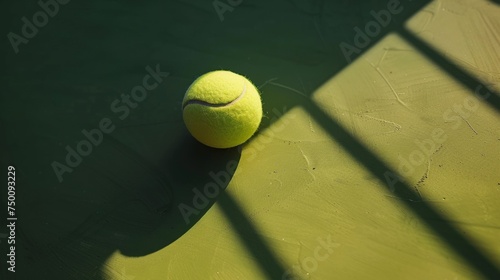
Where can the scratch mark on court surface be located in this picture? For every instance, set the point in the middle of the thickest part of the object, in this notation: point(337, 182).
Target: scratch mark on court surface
point(468, 123)
point(397, 126)
point(289, 88)
point(308, 163)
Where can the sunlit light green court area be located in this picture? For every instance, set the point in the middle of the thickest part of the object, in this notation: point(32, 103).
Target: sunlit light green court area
point(377, 155)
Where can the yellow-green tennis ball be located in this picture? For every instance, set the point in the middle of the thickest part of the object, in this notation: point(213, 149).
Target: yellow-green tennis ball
point(222, 109)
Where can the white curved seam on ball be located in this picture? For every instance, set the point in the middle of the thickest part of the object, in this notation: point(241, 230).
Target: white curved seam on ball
point(201, 102)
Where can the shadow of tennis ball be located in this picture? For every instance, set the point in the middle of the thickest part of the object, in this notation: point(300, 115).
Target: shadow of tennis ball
point(198, 175)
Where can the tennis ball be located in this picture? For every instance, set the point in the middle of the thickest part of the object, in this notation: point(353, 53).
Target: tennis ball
point(222, 109)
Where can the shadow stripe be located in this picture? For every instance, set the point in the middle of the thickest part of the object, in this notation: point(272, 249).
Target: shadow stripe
point(464, 78)
point(250, 237)
point(428, 214)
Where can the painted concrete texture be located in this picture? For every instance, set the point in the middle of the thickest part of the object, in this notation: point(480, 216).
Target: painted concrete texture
point(377, 157)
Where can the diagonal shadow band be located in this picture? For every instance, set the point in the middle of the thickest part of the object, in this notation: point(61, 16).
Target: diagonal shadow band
point(427, 213)
point(473, 84)
point(250, 237)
